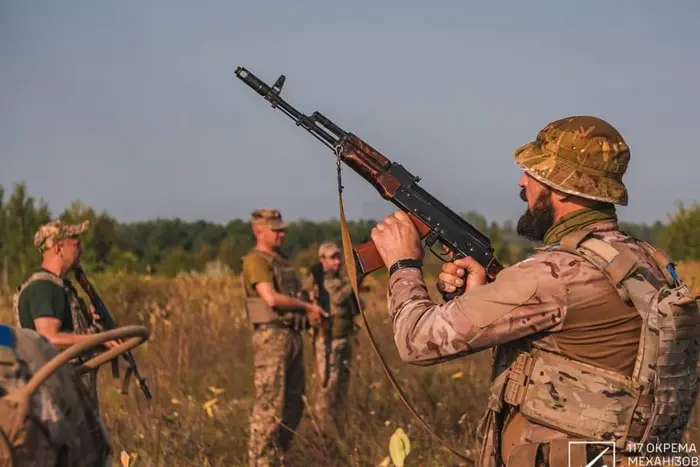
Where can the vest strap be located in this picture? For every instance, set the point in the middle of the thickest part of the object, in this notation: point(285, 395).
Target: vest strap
point(573, 240)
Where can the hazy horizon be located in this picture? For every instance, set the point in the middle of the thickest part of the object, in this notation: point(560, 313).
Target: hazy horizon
point(134, 108)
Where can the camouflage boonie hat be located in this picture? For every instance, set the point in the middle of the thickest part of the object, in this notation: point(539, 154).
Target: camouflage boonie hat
point(48, 234)
point(326, 250)
point(271, 217)
point(582, 155)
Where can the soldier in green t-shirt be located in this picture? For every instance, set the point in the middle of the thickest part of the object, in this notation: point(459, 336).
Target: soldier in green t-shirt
point(45, 299)
point(48, 303)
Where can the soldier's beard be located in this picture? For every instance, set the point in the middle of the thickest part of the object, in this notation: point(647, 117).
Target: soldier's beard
point(534, 224)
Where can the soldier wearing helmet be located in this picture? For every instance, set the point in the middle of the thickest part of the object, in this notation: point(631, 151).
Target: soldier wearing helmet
point(587, 344)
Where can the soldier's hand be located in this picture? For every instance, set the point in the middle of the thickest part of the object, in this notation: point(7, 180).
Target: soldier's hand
point(94, 313)
point(315, 314)
point(454, 275)
point(396, 237)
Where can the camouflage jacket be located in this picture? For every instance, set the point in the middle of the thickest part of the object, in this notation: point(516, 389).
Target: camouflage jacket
point(556, 301)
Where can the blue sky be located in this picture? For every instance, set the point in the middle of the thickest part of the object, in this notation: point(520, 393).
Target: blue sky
point(133, 107)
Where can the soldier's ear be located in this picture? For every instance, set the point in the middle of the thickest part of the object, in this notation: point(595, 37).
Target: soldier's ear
point(561, 197)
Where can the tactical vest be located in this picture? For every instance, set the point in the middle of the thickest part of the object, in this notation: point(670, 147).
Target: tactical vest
point(580, 401)
point(82, 320)
point(285, 281)
point(53, 426)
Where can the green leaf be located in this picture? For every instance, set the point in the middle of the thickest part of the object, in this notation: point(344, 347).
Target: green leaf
point(399, 447)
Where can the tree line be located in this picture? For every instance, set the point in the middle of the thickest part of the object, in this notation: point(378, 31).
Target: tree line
point(169, 246)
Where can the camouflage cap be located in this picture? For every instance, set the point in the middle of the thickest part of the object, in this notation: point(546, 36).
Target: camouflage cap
point(48, 234)
point(581, 155)
point(326, 250)
point(269, 216)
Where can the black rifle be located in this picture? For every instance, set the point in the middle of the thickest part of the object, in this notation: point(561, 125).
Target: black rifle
point(108, 323)
point(435, 221)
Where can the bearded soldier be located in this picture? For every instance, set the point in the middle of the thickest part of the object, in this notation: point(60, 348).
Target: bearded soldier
point(595, 337)
point(49, 303)
point(332, 342)
point(277, 315)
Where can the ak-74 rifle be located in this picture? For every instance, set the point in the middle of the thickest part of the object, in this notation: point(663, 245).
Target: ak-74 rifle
point(108, 323)
point(435, 222)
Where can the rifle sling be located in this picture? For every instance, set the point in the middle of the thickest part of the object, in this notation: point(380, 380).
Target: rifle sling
point(352, 273)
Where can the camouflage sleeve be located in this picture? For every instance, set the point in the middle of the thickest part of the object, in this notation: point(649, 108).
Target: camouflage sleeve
point(338, 289)
point(525, 299)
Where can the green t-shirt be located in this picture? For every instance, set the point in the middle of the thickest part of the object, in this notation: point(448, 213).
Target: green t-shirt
point(256, 269)
point(41, 299)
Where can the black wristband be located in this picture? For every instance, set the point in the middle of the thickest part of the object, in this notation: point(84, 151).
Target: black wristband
point(405, 263)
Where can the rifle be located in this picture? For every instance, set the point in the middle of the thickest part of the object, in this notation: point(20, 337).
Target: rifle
point(323, 300)
point(109, 323)
point(436, 223)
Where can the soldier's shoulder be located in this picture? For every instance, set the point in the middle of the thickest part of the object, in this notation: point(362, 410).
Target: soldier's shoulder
point(550, 265)
point(255, 256)
point(42, 283)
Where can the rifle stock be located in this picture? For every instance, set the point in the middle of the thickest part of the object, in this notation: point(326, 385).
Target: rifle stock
point(436, 223)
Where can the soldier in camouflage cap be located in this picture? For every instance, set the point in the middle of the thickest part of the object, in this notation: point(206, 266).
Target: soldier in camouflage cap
point(277, 311)
point(55, 231)
point(332, 343)
point(565, 323)
point(47, 302)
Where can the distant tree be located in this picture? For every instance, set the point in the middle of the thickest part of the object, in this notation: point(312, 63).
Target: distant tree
point(681, 237)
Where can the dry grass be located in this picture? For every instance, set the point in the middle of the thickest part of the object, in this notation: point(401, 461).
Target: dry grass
point(200, 352)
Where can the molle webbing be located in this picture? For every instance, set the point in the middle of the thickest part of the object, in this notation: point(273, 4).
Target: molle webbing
point(667, 363)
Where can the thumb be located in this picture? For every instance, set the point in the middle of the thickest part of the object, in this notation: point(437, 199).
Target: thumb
point(468, 263)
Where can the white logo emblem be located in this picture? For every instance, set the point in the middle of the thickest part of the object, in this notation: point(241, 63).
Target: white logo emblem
point(608, 447)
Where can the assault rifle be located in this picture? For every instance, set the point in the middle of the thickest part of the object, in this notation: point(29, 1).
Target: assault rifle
point(435, 221)
point(108, 323)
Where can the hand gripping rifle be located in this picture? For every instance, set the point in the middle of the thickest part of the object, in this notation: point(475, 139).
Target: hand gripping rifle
point(108, 322)
point(435, 221)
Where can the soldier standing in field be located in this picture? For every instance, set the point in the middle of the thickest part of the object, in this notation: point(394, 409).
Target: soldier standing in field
point(332, 342)
point(47, 302)
point(277, 315)
point(595, 337)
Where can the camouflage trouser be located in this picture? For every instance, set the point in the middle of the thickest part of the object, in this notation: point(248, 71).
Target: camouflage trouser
point(329, 409)
point(279, 387)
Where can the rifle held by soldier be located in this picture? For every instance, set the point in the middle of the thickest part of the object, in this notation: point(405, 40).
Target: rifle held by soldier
point(436, 223)
point(108, 323)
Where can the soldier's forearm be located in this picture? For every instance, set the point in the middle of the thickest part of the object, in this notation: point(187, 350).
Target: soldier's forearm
point(287, 303)
point(503, 311)
point(423, 330)
point(63, 340)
